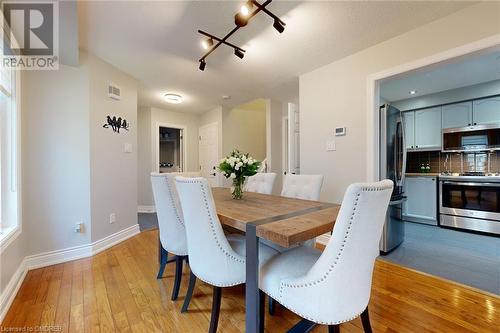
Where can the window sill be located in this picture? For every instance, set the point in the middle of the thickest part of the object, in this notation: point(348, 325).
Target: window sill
point(7, 236)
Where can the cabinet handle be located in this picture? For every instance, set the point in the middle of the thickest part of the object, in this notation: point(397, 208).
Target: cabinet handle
point(469, 124)
point(475, 123)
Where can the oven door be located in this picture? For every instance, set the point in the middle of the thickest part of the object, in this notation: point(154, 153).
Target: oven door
point(470, 199)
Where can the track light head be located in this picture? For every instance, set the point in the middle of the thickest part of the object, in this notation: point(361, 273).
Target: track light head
point(246, 8)
point(240, 54)
point(240, 20)
point(278, 26)
point(207, 43)
point(202, 65)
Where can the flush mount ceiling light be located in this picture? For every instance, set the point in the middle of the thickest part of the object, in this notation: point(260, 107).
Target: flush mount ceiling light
point(246, 12)
point(173, 98)
point(412, 92)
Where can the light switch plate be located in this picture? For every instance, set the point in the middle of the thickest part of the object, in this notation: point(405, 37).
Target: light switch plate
point(330, 145)
point(127, 148)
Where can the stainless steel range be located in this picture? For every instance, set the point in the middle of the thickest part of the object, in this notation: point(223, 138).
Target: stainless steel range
point(470, 201)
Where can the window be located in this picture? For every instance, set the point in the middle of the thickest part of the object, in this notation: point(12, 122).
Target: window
point(9, 134)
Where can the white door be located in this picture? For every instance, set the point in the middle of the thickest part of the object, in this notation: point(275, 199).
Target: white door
point(486, 111)
point(209, 152)
point(409, 123)
point(428, 128)
point(293, 139)
point(457, 115)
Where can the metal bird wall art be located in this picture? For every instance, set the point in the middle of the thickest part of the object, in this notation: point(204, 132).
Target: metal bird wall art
point(116, 124)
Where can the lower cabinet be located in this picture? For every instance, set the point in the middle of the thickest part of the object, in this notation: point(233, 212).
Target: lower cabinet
point(421, 203)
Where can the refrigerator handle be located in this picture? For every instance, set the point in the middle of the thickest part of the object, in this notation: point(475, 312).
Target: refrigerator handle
point(403, 144)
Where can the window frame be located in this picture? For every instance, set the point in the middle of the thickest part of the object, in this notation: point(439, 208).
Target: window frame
point(10, 233)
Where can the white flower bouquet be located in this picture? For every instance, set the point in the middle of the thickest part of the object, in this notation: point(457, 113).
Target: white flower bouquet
point(238, 166)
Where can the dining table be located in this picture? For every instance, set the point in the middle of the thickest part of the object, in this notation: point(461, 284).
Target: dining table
point(283, 221)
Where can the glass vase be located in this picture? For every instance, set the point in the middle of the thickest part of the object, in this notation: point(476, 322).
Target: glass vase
point(237, 189)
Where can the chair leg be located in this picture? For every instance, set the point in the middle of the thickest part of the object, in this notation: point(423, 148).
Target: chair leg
point(365, 319)
point(333, 329)
point(262, 310)
point(214, 320)
point(178, 276)
point(163, 258)
point(272, 305)
point(189, 294)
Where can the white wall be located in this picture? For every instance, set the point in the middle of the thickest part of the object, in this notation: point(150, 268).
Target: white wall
point(336, 94)
point(244, 128)
point(146, 137)
point(450, 96)
point(56, 157)
point(274, 144)
point(113, 173)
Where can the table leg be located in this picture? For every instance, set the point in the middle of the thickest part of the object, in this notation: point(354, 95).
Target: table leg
point(252, 302)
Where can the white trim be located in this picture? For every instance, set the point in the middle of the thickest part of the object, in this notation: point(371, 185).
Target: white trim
point(372, 167)
point(56, 257)
point(9, 235)
point(146, 209)
point(155, 137)
point(11, 289)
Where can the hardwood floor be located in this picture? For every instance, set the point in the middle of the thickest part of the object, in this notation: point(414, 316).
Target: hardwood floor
point(117, 290)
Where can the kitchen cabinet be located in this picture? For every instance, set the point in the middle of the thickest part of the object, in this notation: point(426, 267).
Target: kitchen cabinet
point(428, 128)
point(457, 115)
point(409, 123)
point(421, 203)
point(486, 111)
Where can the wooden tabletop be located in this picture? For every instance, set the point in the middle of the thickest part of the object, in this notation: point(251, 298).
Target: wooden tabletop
point(284, 221)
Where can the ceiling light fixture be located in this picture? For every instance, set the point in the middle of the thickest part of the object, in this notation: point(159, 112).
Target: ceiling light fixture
point(207, 43)
point(413, 92)
point(241, 19)
point(239, 54)
point(173, 98)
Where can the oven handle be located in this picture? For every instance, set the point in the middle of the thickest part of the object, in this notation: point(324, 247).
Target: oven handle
point(472, 184)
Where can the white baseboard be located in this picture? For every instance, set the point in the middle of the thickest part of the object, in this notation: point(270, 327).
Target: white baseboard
point(146, 209)
point(57, 257)
point(11, 289)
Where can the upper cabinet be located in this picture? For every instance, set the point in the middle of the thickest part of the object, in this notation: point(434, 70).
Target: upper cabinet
point(486, 111)
point(409, 128)
point(457, 115)
point(428, 128)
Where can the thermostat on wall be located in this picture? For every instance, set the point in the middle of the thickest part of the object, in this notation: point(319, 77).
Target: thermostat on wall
point(340, 131)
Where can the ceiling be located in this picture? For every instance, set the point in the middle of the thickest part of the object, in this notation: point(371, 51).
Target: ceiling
point(157, 43)
point(460, 72)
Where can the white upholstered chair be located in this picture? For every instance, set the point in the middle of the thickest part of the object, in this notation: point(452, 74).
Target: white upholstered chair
point(334, 286)
point(189, 174)
point(307, 187)
point(170, 225)
point(213, 258)
point(261, 183)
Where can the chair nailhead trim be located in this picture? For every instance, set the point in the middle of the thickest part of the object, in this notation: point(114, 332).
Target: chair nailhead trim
point(212, 226)
point(332, 266)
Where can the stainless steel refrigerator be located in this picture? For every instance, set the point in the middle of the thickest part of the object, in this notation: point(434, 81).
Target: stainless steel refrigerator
point(393, 167)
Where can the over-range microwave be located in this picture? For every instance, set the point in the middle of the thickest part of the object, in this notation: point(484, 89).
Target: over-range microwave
point(471, 138)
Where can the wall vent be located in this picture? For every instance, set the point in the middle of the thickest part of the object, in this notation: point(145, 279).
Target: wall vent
point(114, 92)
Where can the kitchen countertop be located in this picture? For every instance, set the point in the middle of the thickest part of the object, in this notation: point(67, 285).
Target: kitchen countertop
point(417, 174)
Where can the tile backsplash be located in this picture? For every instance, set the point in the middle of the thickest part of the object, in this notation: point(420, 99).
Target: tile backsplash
point(454, 162)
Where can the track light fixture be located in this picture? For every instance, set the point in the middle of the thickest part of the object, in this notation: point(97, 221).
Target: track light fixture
point(202, 65)
point(239, 53)
point(207, 43)
point(278, 26)
point(241, 19)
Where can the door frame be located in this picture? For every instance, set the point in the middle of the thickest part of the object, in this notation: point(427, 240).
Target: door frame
point(284, 144)
point(218, 177)
point(373, 93)
point(155, 137)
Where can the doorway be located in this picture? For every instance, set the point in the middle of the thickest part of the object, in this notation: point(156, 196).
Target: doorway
point(170, 150)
